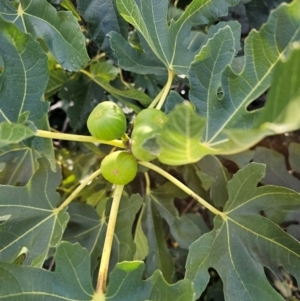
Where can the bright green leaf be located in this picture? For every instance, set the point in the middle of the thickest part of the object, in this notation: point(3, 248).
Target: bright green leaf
point(126, 284)
point(282, 109)
point(230, 127)
point(243, 242)
point(14, 133)
point(31, 220)
point(68, 5)
point(70, 281)
point(179, 141)
point(59, 30)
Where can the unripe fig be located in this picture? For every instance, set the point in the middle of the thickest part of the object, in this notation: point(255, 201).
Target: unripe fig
point(148, 123)
point(139, 136)
point(150, 115)
point(119, 167)
point(107, 121)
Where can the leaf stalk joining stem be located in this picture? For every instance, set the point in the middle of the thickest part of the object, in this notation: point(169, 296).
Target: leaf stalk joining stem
point(167, 88)
point(183, 187)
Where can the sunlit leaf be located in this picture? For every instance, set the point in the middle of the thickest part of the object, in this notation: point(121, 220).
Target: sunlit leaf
point(243, 242)
point(32, 221)
point(230, 127)
point(14, 133)
point(40, 18)
point(179, 142)
point(70, 281)
point(68, 5)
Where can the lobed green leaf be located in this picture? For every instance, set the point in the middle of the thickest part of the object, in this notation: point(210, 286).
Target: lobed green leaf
point(59, 30)
point(171, 44)
point(126, 284)
point(30, 223)
point(224, 100)
point(70, 281)
point(243, 242)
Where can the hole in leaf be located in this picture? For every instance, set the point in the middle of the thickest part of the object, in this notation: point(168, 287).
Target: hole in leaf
point(220, 93)
point(257, 103)
point(214, 289)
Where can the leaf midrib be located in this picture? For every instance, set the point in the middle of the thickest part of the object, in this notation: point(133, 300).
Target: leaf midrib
point(254, 89)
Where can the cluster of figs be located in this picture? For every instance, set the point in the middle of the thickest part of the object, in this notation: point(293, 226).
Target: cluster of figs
point(108, 122)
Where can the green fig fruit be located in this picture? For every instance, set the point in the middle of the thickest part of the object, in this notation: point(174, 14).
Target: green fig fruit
point(147, 125)
point(150, 115)
point(139, 136)
point(107, 121)
point(119, 167)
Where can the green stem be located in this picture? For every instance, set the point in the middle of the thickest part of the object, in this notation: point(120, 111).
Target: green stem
point(157, 98)
point(182, 187)
point(147, 179)
point(167, 88)
point(103, 270)
point(71, 137)
point(74, 194)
